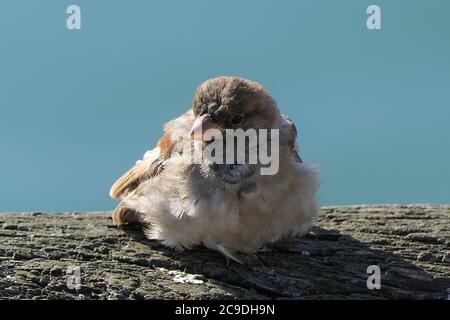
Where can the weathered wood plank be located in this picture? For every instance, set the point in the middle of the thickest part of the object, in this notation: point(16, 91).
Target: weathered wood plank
point(411, 245)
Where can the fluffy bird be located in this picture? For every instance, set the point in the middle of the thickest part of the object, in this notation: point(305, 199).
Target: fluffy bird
point(230, 208)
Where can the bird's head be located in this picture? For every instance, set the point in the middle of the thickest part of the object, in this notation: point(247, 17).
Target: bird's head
point(232, 103)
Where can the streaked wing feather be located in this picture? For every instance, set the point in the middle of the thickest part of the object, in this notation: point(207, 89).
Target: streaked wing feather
point(142, 171)
point(151, 165)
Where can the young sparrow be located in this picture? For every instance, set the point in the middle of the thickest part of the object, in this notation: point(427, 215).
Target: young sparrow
point(229, 207)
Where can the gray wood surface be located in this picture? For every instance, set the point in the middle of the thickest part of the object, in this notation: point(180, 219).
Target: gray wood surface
point(40, 255)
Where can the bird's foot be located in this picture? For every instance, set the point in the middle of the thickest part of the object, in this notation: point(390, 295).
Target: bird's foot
point(228, 253)
point(253, 259)
point(249, 259)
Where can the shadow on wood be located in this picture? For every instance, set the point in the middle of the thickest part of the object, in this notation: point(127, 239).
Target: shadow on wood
point(323, 264)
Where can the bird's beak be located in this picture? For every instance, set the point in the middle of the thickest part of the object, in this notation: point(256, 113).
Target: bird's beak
point(200, 126)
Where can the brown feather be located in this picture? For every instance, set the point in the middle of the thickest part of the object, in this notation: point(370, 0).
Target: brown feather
point(142, 171)
point(123, 214)
point(147, 168)
point(166, 145)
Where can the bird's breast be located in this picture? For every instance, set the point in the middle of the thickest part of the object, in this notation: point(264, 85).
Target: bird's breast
point(233, 173)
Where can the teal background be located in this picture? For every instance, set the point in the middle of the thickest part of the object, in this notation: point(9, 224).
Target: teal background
point(77, 108)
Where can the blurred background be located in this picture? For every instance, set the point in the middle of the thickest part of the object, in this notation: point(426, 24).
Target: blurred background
point(79, 107)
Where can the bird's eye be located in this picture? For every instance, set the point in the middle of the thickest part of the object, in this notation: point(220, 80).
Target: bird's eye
point(236, 119)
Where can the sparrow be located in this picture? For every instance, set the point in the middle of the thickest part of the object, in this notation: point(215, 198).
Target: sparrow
point(229, 207)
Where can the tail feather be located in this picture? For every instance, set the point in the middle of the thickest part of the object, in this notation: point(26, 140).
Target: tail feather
point(123, 214)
